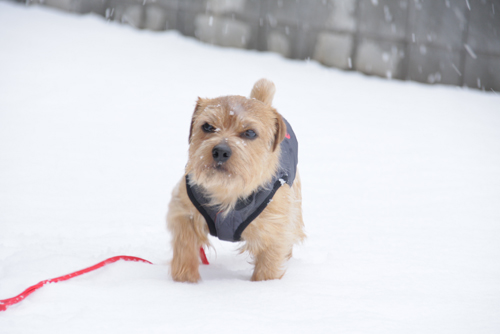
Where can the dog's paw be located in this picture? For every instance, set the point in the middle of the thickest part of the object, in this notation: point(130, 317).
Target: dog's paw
point(185, 273)
point(186, 277)
point(266, 275)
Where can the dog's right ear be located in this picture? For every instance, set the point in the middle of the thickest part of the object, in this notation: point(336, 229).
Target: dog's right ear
point(263, 90)
point(195, 113)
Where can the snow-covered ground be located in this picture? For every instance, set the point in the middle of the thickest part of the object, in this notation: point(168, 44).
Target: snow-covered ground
point(401, 187)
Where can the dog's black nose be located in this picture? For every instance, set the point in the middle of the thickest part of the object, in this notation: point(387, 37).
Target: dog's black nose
point(221, 153)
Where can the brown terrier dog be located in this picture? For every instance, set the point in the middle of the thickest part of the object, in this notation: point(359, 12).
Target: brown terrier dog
point(240, 184)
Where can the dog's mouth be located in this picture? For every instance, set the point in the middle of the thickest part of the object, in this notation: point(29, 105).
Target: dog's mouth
point(213, 170)
point(220, 167)
point(220, 170)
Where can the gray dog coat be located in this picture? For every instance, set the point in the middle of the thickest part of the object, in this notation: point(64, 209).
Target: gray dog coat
point(229, 227)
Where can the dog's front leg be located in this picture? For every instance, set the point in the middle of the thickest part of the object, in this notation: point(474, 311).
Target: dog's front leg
point(270, 245)
point(269, 264)
point(185, 262)
point(188, 235)
point(270, 237)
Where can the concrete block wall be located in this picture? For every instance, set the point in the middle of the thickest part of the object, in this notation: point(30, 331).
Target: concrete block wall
point(455, 42)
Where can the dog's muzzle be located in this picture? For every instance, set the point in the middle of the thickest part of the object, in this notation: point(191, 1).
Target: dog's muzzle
point(221, 153)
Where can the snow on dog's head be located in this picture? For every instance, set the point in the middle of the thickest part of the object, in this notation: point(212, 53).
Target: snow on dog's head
point(234, 143)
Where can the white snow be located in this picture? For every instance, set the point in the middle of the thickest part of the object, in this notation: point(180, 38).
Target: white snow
point(470, 51)
point(401, 190)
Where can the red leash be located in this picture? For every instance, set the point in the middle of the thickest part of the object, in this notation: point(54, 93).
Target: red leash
point(14, 300)
point(203, 256)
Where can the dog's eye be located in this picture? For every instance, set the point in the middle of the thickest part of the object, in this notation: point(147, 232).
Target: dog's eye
point(250, 134)
point(208, 128)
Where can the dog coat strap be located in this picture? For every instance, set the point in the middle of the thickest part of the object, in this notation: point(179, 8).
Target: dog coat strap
point(200, 208)
point(258, 211)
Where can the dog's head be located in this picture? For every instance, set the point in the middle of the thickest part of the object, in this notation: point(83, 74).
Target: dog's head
point(235, 143)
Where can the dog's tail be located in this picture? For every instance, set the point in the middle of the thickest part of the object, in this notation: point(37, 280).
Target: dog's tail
point(263, 90)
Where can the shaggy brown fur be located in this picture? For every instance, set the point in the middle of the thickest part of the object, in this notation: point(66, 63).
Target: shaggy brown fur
point(271, 236)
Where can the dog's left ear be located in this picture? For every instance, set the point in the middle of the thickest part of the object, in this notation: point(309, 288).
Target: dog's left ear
point(263, 90)
point(280, 133)
point(195, 113)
